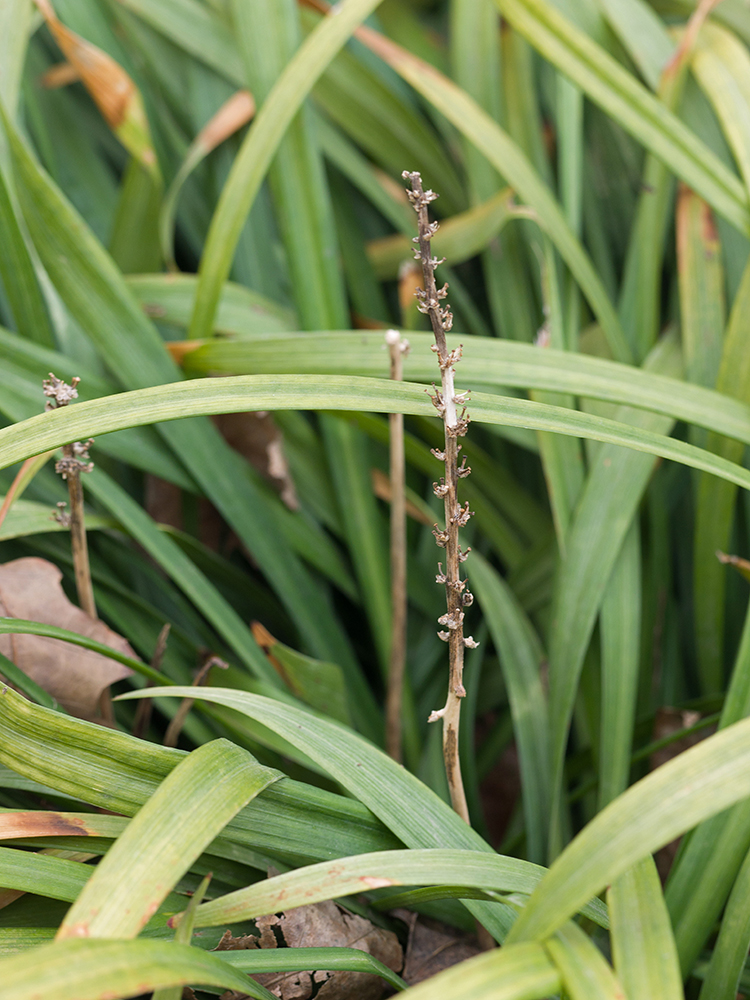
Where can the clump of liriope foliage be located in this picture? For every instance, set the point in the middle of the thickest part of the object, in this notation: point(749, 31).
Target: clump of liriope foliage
point(201, 188)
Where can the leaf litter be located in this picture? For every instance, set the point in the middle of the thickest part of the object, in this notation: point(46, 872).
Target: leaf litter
point(320, 925)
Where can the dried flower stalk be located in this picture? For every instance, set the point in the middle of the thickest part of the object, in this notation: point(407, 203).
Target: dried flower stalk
point(398, 348)
point(75, 461)
point(447, 402)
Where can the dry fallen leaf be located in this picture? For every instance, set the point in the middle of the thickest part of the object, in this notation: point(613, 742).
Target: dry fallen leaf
point(322, 925)
point(30, 588)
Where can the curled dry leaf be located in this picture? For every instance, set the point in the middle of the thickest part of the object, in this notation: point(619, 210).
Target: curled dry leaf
point(322, 925)
point(30, 588)
point(111, 88)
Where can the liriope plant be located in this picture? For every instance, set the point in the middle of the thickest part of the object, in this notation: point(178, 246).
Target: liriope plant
point(593, 200)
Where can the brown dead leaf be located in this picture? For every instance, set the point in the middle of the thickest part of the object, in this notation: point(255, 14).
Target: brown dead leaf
point(30, 588)
point(322, 925)
point(257, 438)
point(433, 947)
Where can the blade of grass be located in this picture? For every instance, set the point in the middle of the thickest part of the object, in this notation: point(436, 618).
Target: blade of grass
point(721, 65)
point(730, 951)
point(93, 289)
point(628, 102)
point(562, 460)
point(511, 162)
point(715, 506)
point(643, 945)
point(184, 572)
point(54, 878)
point(258, 149)
point(697, 784)
point(620, 664)
point(643, 34)
point(704, 872)
point(521, 655)
point(491, 361)
point(316, 883)
point(184, 935)
point(159, 845)
point(411, 810)
point(19, 278)
point(515, 973)
point(299, 959)
point(119, 773)
point(85, 970)
point(231, 395)
point(15, 25)
point(607, 505)
point(169, 298)
point(584, 972)
point(701, 284)
point(268, 35)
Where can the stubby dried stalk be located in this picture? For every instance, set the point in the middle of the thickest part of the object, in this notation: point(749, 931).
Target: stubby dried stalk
point(75, 461)
point(447, 402)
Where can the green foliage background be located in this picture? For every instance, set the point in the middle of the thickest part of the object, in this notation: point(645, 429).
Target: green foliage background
point(592, 161)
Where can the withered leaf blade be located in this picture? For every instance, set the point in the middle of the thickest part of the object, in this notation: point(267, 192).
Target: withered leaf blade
point(30, 588)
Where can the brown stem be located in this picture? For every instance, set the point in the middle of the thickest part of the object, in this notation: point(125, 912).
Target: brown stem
point(447, 402)
point(394, 700)
point(78, 538)
point(178, 721)
point(143, 712)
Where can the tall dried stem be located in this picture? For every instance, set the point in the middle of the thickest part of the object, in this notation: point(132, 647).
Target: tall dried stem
point(394, 701)
point(447, 403)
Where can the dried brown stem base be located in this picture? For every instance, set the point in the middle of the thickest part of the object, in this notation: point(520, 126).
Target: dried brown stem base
point(78, 541)
point(447, 403)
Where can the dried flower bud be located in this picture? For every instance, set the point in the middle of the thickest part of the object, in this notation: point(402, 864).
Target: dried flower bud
point(461, 515)
point(452, 619)
point(61, 515)
point(441, 537)
point(59, 392)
